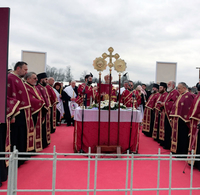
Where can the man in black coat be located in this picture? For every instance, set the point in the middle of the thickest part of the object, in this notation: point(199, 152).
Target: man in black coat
point(69, 94)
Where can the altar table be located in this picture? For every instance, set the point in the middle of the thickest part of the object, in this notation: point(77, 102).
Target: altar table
point(90, 129)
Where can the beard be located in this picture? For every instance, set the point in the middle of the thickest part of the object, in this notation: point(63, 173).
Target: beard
point(130, 89)
point(89, 82)
point(43, 83)
point(153, 91)
point(169, 89)
point(162, 91)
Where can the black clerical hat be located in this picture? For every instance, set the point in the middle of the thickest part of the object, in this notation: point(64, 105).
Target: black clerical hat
point(88, 75)
point(156, 85)
point(163, 84)
point(41, 76)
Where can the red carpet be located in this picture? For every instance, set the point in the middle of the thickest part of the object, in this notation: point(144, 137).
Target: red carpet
point(112, 174)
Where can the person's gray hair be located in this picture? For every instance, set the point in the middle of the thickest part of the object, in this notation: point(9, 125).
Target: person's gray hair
point(183, 84)
point(51, 78)
point(73, 81)
point(126, 81)
point(28, 75)
point(173, 83)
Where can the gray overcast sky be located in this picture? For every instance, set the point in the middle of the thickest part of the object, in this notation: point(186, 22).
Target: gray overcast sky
point(75, 32)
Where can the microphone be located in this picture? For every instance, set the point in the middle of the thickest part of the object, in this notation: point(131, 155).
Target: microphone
point(125, 74)
point(85, 87)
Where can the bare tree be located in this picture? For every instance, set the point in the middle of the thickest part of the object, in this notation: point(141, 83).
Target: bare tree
point(68, 76)
point(82, 78)
point(11, 66)
point(61, 75)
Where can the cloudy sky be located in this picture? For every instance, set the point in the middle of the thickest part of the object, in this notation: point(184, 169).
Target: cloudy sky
point(75, 32)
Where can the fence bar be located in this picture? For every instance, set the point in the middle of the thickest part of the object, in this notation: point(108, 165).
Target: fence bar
point(10, 171)
point(54, 171)
point(170, 173)
point(15, 166)
point(106, 190)
point(158, 178)
point(191, 172)
point(131, 184)
point(127, 168)
point(88, 174)
point(95, 175)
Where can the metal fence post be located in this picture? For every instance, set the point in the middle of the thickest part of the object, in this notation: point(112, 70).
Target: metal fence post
point(95, 174)
point(170, 173)
point(9, 185)
point(88, 175)
point(54, 171)
point(191, 172)
point(15, 171)
point(158, 178)
point(127, 167)
point(131, 184)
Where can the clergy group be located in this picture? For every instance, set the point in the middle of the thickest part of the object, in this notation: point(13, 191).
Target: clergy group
point(36, 104)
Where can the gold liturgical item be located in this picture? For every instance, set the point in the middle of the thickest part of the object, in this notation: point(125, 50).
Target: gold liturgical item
point(100, 64)
point(120, 65)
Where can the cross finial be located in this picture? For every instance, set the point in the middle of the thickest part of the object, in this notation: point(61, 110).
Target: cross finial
point(105, 55)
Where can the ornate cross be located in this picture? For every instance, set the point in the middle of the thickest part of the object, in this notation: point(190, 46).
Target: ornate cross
point(105, 55)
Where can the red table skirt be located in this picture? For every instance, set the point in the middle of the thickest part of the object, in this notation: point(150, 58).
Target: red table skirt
point(90, 135)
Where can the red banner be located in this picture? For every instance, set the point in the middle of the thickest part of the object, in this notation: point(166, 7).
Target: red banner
point(4, 41)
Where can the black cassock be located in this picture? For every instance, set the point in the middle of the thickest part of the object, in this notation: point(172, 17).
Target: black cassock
point(67, 98)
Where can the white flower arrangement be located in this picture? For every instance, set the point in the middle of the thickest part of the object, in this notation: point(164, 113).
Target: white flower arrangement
point(105, 105)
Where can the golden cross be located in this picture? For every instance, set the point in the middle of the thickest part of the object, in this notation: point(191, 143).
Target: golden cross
point(199, 72)
point(105, 55)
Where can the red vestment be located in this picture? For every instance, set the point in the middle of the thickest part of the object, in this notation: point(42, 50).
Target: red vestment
point(194, 117)
point(147, 112)
point(37, 103)
point(106, 95)
point(16, 89)
point(171, 99)
point(127, 97)
point(179, 110)
point(47, 105)
point(159, 110)
point(12, 111)
point(89, 91)
point(54, 100)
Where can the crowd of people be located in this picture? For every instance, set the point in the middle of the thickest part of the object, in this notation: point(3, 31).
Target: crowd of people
point(171, 117)
point(36, 104)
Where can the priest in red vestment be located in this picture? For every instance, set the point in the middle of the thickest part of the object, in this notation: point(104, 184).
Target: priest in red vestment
point(12, 111)
point(194, 117)
point(178, 115)
point(149, 112)
point(129, 96)
point(37, 103)
point(54, 101)
point(86, 92)
point(168, 104)
point(46, 113)
point(21, 130)
point(113, 90)
point(160, 114)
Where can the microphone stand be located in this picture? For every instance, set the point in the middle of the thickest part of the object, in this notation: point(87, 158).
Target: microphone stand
point(84, 97)
point(129, 149)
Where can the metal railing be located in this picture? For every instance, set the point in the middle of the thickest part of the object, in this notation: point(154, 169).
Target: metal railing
point(129, 158)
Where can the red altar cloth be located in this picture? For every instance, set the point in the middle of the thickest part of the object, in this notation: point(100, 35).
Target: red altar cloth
point(90, 135)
